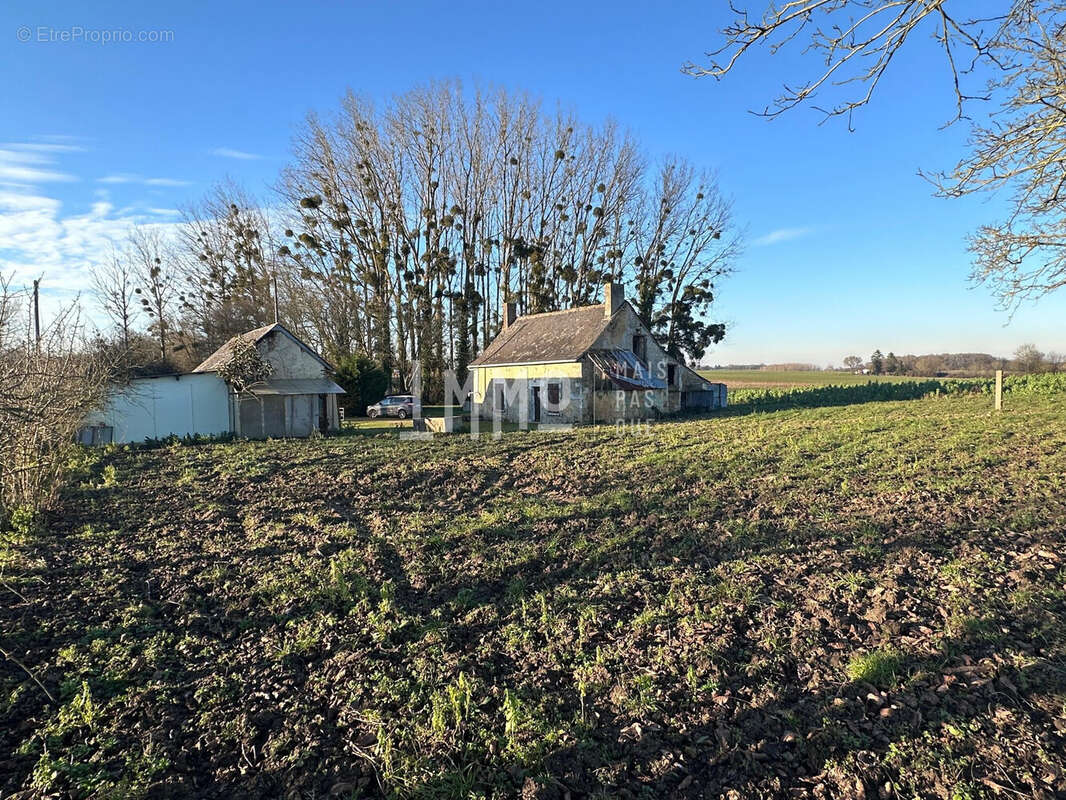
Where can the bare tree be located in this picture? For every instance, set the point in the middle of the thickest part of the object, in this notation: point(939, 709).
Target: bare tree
point(1029, 358)
point(113, 282)
point(45, 391)
point(155, 282)
point(224, 266)
point(928, 365)
point(1014, 60)
point(411, 225)
point(679, 253)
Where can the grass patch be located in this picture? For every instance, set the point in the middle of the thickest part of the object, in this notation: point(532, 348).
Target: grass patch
point(879, 668)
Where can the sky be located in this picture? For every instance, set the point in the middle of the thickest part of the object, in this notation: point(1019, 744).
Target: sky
point(847, 249)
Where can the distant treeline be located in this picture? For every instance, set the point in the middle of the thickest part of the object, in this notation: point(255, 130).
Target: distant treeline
point(1027, 359)
point(787, 367)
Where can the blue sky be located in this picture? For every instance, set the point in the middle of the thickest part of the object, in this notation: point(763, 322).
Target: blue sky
point(847, 248)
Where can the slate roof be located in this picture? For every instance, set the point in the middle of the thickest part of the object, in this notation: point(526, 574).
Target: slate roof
point(221, 357)
point(540, 338)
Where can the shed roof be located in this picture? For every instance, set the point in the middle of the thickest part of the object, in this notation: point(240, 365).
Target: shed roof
point(222, 356)
point(705, 383)
point(296, 386)
point(544, 338)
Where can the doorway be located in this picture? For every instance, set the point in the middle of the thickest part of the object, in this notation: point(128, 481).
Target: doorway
point(323, 413)
point(536, 404)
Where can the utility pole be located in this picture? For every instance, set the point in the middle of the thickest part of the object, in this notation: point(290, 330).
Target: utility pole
point(37, 314)
point(277, 314)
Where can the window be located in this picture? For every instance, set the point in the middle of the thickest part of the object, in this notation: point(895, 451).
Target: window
point(96, 435)
point(553, 396)
point(640, 347)
point(671, 374)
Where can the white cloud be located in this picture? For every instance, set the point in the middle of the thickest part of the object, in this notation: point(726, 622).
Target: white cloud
point(36, 239)
point(121, 178)
point(129, 177)
point(782, 235)
point(165, 182)
point(18, 202)
point(17, 174)
point(227, 152)
point(39, 237)
point(19, 167)
point(43, 147)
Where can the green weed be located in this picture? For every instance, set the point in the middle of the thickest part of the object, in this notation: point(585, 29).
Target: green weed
point(879, 667)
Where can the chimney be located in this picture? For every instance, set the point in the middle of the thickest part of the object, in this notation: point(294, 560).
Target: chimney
point(510, 313)
point(613, 297)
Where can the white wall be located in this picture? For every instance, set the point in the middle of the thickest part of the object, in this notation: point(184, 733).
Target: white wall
point(154, 408)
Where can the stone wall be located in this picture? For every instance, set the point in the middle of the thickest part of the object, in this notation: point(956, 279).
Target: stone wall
point(615, 405)
point(289, 358)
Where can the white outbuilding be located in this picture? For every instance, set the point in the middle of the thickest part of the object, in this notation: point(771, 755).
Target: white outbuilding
point(298, 398)
point(181, 405)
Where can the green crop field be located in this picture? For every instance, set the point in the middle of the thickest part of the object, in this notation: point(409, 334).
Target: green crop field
point(853, 600)
point(744, 378)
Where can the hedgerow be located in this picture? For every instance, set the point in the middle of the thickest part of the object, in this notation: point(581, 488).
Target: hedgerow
point(1043, 385)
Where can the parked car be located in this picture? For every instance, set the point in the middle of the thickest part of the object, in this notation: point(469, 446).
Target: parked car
point(398, 405)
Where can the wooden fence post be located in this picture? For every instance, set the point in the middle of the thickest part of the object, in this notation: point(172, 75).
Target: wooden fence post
point(999, 390)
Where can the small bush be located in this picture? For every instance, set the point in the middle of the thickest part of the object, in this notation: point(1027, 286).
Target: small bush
point(21, 521)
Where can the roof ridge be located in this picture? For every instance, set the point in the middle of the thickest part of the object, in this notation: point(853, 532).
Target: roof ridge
point(560, 311)
point(225, 351)
point(262, 331)
point(563, 335)
point(264, 328)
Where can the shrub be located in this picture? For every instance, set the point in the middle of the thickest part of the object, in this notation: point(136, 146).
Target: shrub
point(246, 367)
point(365, 381)
point(48, 386)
